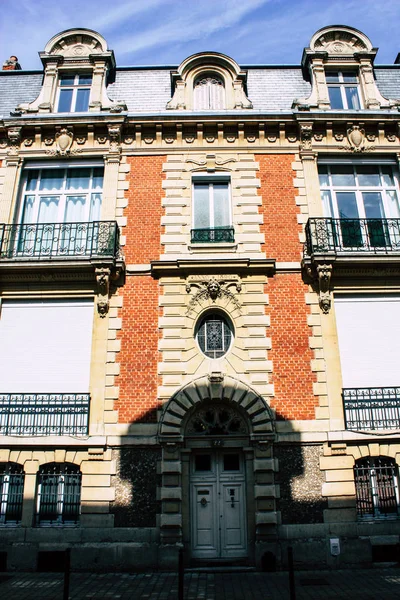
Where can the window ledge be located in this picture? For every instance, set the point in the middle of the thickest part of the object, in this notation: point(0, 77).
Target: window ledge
point(212, 248)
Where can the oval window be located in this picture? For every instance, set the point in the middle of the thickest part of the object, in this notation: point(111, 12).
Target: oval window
point(214, 335)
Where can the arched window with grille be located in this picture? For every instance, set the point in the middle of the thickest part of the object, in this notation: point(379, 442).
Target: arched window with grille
point(11, 493)
point(377, 487)
point(58, 498)
point(214, 335)
point(209, 93)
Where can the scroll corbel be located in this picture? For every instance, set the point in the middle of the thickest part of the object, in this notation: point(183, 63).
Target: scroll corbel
point(324, 273)
point(103, 275)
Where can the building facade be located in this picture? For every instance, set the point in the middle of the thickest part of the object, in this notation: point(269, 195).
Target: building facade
point(199, 283)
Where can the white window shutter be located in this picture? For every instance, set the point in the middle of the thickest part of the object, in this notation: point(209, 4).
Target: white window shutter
point(45, 346)
point(369, 340)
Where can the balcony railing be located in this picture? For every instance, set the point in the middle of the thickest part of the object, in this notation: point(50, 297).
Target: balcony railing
point(371, 408)
point(376, 236)
point(214, 235)
point(44, 414)
point(42, 241)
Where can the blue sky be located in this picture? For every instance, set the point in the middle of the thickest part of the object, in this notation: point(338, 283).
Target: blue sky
point(167, 31)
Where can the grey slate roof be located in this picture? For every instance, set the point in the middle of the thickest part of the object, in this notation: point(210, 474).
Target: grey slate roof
point(147, 90)
point(388, 80)
point(275, 89)
point(143, 91)
point(17, 88)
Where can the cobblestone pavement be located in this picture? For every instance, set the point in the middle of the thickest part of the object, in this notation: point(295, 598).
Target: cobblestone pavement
point(374, 584)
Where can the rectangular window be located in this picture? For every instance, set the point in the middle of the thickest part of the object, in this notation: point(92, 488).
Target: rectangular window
point(343, 90)
point(74, 92)
point(52, 196)
point(364, 201)
point(212, 218)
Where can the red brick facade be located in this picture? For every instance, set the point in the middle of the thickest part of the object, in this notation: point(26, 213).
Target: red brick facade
point(139, 336)
point(289, 331)
point(139, 355)
point(279, 208)
point(290, 353)
point(144, 210)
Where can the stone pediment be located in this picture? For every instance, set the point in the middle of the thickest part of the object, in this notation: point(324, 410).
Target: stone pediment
point(340, 41)
point(76, 44)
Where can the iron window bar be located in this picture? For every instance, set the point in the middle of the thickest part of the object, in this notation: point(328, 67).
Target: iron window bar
point(329, 235)
point(11, 493)
point(44, 414)
point(377, 490)
point(58, 495)
point(35, 241)
point(371, 408)
point(213, 235)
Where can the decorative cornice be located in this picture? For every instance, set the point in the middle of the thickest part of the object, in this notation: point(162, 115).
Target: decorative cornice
point(162, 268)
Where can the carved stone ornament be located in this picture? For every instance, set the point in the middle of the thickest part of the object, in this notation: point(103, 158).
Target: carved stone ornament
point(390, 137)
point(189, 139)
point(14, 139)
point(3, 143)
point(101, 139)
point(306, 136)
point(318, 137)
point(357, 140)
point(80, 139)
point(129, 140)
point(339, 137)
point(64, 139)
point(324, 273)
point(28, 142)
point(212, 289)
point(148, 139)
point(103, 290)
point(230, 138)
point(114, 131)
point(211, 162)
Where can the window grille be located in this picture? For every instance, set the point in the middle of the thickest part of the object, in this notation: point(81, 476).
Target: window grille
point(11, 493)
point(58, 495)
point(214, 336)
point(377, 490)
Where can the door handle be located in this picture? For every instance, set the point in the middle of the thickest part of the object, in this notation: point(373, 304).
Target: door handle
point(203, 502)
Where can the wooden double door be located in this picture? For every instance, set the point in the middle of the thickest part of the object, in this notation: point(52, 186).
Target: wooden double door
point(218, 504)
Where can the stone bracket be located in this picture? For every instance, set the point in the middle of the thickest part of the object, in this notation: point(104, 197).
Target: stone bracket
point(105, 276)
point(322, 274)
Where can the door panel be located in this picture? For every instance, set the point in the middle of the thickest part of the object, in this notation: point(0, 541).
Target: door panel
point(218, 519)
point(204, 520)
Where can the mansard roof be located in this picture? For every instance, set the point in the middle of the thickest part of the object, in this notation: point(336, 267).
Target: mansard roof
point(269, 88)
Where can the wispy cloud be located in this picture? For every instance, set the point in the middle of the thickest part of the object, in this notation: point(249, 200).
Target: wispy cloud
point(120, 14)
point(166, 31)
point(190, 23)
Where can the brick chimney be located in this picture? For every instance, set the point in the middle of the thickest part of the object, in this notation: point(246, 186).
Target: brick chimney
point(11, 64)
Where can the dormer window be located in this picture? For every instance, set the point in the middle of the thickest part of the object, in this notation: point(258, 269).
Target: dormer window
point(343, 90)
point(209, 93)
point(74, 92)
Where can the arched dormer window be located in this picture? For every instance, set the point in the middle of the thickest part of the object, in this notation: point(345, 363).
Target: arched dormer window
point(339, 63)
point(77, 65)
point(208, 92)
point(209, 81)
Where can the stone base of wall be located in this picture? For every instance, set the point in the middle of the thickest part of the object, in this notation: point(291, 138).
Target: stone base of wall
point(312, 549)
point(138, 549)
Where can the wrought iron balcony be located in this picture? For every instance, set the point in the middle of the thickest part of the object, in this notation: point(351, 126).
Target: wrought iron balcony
point(44, 414)
point(43, 241)
point(333, 236)
point(214, 235)
point(371, 408)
